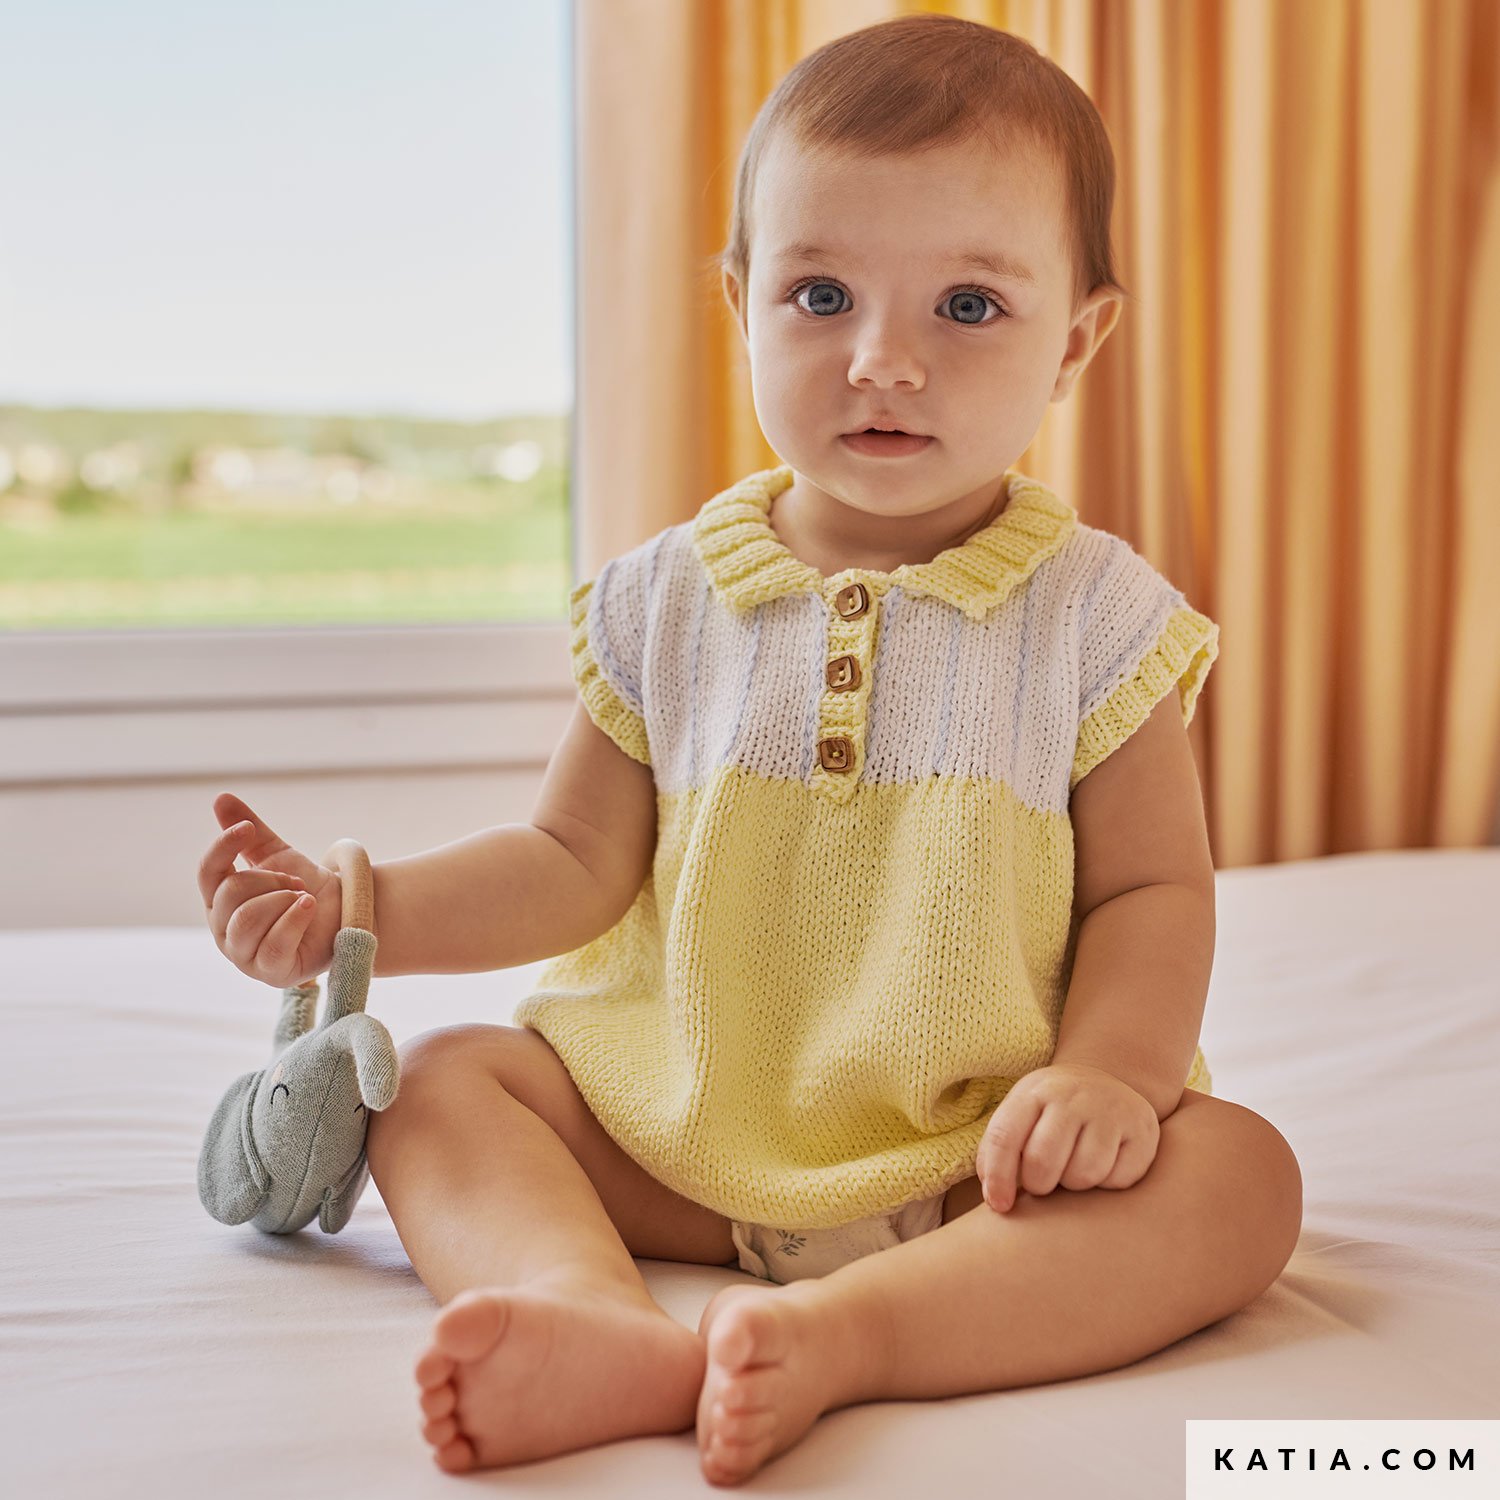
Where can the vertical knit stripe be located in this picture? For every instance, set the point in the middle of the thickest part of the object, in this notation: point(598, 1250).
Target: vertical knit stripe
point(601, 697)
point(947, 682)
point(740, 686)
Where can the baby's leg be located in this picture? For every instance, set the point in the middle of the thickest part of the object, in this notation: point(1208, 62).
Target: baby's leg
point(496, 1172)
point(550, 1339)
point(1061, 1285)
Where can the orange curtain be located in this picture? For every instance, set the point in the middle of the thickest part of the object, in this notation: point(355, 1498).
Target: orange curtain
point(1298, 422)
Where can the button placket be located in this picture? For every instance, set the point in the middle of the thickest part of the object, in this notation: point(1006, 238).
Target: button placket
point(842, 709)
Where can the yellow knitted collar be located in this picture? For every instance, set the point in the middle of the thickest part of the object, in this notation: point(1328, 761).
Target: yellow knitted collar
point(748, 564)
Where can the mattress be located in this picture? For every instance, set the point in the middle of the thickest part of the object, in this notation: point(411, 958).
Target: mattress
point(148, 1349)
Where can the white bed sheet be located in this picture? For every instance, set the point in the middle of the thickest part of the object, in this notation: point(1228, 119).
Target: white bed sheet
point(148, 1349)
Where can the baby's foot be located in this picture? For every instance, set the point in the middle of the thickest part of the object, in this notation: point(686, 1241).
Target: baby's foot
point(769, 1378)
point(520, 1373)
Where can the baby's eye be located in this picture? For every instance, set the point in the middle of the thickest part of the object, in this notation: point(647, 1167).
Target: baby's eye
point(796, 291)
point(971, 297)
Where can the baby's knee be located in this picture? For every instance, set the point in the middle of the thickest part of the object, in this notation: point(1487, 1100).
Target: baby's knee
point(438, 1054)
point(440, 1069)
point(1246, 1161)
point(426, 1066)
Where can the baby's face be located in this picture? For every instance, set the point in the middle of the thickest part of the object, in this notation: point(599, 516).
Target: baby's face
point(887, 320)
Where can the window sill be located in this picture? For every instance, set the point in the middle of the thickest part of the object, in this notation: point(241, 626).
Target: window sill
point(152, 705)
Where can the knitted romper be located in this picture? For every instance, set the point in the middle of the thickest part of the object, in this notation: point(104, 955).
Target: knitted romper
point(857, 932)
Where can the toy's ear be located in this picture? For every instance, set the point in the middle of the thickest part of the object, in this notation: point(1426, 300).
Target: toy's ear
point(375, 1062)
point(232, 1183)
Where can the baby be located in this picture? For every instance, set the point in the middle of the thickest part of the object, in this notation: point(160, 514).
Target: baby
point(872, 864)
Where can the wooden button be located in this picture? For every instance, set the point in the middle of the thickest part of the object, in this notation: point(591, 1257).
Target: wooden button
point(842, 673)
point(836, 754)
point(851, 601)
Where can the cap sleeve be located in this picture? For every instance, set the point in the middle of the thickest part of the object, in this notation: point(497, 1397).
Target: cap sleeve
point(1139, 639)
point(607, 644)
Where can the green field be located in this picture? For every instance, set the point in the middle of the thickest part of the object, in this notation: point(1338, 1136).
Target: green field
point(456, 548)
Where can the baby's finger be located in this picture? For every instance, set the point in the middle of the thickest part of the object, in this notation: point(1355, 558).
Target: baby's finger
point(1050, 1148)
point(241, 886)
point(1004, 1140)
point(251, 922)
point(262, 842)
point(1092, 1158)
point(219, 861)
point(277, 955)
point(1135, 1157)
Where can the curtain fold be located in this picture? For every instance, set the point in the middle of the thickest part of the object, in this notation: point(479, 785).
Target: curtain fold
point(1297, 419)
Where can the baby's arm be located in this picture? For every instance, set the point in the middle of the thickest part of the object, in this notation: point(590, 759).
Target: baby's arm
point(525, 891)
point(1144, 892)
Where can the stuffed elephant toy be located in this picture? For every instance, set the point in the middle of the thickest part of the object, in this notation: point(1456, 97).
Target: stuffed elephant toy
point(288, 1140)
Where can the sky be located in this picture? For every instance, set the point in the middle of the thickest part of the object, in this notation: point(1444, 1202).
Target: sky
point(345, 206)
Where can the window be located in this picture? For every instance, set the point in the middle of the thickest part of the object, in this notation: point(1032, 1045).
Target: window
point(286, 320)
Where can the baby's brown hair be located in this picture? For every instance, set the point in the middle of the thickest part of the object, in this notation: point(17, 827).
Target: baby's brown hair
point(922, 80)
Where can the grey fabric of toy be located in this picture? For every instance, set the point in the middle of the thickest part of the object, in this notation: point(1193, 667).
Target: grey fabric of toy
point(287, 1142)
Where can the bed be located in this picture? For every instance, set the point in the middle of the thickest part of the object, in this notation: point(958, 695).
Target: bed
point(148, 1349)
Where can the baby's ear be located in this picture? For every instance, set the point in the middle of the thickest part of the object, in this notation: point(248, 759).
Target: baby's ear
point(734, 295)
point(229, 1187)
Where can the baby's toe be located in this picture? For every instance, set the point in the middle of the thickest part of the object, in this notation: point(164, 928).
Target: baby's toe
point(470, 1325)
point(729, 1462)
point(750, 1391)
point(434, 1368)
point(438, 1401)
point(741, 1445)
point(439, 1431)
point(743, 1428)
point(456, 1456)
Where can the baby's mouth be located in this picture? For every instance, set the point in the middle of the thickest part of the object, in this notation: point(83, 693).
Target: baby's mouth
point(872, 441)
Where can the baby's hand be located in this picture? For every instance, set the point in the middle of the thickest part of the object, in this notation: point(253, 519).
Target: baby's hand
point(257, 917)
point(1067, 1123)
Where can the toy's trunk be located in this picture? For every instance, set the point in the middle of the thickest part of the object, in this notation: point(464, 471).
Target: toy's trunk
point(309, 1203)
